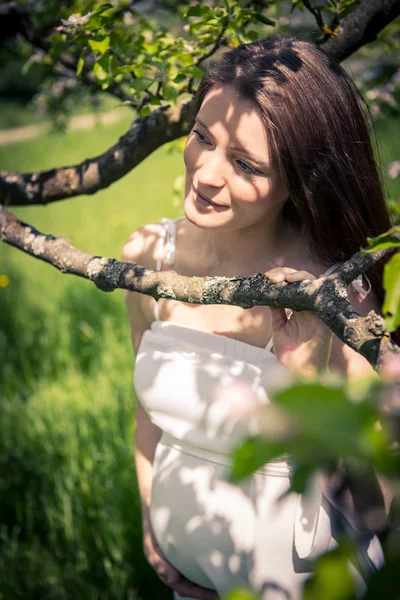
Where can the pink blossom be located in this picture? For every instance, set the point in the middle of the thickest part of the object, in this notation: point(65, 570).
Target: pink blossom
point(393, 169)
point(238, 398)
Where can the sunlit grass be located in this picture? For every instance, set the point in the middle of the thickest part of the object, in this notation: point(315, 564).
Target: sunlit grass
point(70, 510)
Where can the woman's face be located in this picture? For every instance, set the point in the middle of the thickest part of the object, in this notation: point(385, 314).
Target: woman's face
point(230, 180)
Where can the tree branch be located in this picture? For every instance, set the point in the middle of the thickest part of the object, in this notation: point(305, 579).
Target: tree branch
point(145, 135)
point(148, 133)
point(325, 296)
point(361, 27)
point(316, 12)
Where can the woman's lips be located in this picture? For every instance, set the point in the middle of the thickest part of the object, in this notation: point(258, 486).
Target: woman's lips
point(204, 201)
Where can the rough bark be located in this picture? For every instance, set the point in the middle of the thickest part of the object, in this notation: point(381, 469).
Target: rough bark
point(145, 135)
point(361, 27)
point(325, 296)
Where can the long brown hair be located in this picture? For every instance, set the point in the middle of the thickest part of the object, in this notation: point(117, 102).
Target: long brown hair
point(319, 139)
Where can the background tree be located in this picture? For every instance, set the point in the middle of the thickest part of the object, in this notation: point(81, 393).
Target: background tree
point(87, 49)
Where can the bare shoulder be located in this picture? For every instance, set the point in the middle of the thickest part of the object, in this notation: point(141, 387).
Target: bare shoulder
point(141, 246)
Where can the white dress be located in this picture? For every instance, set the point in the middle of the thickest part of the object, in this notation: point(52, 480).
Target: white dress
point(217, 534)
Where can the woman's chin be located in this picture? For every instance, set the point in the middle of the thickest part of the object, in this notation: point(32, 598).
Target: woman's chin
point(192, 214)
point(199, 216)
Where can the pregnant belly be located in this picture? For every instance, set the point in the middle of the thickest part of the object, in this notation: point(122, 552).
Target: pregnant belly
point(216, 533)
point(256, 534)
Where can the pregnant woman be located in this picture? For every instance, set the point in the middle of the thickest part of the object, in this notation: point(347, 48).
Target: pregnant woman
point(281, 180)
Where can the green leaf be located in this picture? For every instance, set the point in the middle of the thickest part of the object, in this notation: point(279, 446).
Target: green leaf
point(101, 69)
point(80, 65)
point(252, 35)
point(102, 9)
point(126, 69)
point(186, 59)
point(391, 283)
point(252, 455)
point(385, 240)
point(205, 39)
point(179, 78)
point(300, 477)
point(100, 44)
point(141, 83)
point(145, 111)
point(27, 65)
point(332, 579)
point(169, 92)
point(242, 594)
point(327, 418)
point(198, 11)
point(296, 4)
point(263, 19)
point(197, 72)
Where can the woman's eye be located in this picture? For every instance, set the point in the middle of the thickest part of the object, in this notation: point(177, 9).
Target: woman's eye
point(200, 137)
point(248, 168)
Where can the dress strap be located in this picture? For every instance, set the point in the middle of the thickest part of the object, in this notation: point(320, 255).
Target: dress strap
point(357, 284)
point(167, 243)
point(332, 269)
point(268, 347)
point(166, 250)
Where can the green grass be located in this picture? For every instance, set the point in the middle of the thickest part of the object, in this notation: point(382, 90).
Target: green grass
point(69, 514)
point(16, 113)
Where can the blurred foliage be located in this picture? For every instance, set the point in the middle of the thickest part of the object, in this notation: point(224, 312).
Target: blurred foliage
point(151, 54)
point(391, 276)
point(313, 425)
point(69, 517)
point(348, 430)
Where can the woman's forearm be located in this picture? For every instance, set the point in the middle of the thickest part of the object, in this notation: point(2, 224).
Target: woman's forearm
point(147, 436)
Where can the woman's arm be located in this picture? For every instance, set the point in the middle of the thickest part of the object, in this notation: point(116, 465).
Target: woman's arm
point(305, 345)
point(140, 249)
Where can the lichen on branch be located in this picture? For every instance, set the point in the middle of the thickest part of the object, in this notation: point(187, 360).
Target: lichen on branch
point(326, 296)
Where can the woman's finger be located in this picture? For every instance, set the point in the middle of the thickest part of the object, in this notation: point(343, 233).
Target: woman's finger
point(278, 274)
point(278, 318)
point(299, 276)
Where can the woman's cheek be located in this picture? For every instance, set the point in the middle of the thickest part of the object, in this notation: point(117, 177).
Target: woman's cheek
point(191, 153)
point(250, 192)
point(186, 154)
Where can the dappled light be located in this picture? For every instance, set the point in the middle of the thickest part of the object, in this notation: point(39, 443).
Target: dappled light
point(255, 456)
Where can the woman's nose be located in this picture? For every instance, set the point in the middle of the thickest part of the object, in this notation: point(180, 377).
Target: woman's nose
point(211, 171)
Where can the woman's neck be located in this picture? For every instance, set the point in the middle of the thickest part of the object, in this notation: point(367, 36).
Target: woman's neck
point(249, 250)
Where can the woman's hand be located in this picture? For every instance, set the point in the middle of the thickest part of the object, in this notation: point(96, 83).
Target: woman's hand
point(302, 342)
point(168, 574)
